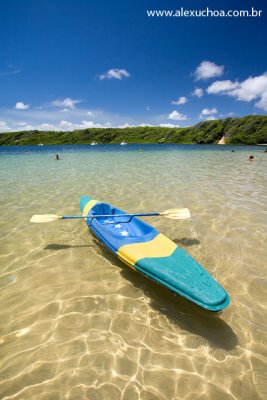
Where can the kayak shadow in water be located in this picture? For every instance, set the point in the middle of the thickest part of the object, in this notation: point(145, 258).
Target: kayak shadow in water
point(186, 242)
point(185, 314)
point(57, 246)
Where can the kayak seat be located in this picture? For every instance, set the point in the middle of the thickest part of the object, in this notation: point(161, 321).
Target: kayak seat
point(102, 209)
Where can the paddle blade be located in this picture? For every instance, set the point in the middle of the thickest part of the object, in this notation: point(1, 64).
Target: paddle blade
point(44, 218)
point(176, 213)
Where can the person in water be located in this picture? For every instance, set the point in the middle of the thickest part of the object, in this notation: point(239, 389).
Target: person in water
point(251, 158)
point(57, 157)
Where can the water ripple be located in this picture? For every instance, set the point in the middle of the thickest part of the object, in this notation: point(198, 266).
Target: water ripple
point(78, 324)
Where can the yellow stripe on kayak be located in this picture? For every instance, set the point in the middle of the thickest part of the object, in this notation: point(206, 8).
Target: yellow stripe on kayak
point(88, 207)
point(126, 262)
point(160, 246)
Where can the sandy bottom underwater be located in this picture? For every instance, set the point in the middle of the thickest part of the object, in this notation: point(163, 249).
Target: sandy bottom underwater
point(78, 324)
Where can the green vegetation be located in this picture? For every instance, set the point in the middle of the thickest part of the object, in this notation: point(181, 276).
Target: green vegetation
point(247, 130)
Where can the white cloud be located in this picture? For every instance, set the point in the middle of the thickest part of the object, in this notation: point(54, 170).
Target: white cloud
point(4, 127)
point(181, 100)
point(207, 70)
point(114, 73)
point(21, 106)
point(210, 118)
point(221, 87)
point(209, 113)
point(63, 125)
point(198, 92)
point(169, 126)
point(250, 89)
point(69, 126)
point(263, 102)
point(230, 114)
point(175, 115)
point(67, 103)
point(126, 125)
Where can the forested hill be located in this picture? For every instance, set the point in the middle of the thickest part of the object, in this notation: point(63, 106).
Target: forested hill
point(251, 129)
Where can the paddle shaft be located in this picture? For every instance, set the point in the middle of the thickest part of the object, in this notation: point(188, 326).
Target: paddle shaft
point(110, 215)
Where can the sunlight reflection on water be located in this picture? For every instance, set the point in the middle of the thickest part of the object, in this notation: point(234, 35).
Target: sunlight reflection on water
point(78, 324)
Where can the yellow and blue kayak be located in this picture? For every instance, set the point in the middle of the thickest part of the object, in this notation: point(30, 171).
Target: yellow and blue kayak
point(148, 251)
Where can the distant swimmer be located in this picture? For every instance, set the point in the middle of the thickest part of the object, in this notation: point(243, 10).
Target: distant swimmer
point(57, 157)
point(265, 151)
point(251, 158)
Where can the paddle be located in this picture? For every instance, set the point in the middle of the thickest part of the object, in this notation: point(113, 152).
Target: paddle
point(174, 213)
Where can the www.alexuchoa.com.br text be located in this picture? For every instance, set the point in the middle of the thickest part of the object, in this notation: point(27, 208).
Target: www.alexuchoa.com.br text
point(205, 13)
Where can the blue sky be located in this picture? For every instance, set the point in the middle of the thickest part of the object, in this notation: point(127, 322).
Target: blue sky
point(69, 64)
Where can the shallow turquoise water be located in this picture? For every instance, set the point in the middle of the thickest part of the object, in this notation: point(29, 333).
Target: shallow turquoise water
point(76, 323)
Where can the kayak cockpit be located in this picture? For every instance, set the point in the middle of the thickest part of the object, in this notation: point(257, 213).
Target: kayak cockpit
point(116, 231)
point(118, 225)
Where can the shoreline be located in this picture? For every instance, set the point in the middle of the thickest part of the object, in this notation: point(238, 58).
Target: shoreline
point(130, 146)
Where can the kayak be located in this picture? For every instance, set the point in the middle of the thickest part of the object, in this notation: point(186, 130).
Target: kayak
point(148, 251)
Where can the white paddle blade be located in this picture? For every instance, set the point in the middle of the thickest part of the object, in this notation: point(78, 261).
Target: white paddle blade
point(177, 213)
point(44, 218)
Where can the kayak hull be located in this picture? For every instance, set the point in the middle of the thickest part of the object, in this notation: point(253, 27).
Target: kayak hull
point(148, 251)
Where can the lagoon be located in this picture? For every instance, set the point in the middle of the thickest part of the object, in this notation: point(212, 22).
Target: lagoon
point(76, 323)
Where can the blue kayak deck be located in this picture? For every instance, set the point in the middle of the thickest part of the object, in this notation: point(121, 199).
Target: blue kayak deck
point(153, 254)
